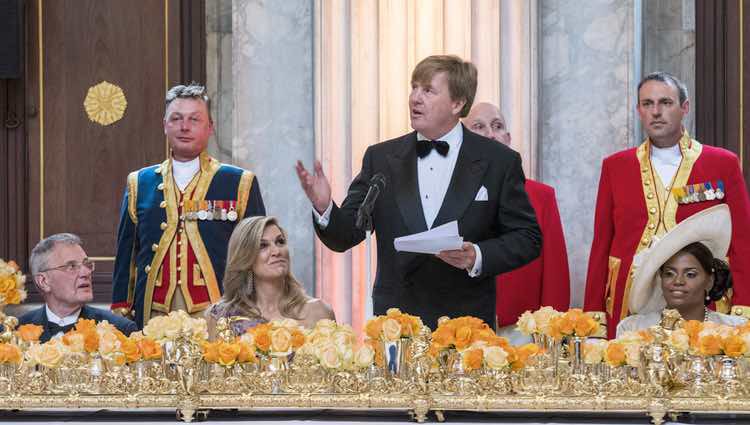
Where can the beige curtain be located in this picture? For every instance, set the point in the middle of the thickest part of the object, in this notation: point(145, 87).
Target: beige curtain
point(365, 51)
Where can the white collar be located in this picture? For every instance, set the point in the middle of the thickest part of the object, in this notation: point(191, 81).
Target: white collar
point(670, 154)
point(71, 318)
point(453, 137)
point(191, 166)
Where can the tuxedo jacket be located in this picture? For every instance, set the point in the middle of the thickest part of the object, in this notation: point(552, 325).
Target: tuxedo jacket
point(39, 317)
point(546, 280)
point(503, 226)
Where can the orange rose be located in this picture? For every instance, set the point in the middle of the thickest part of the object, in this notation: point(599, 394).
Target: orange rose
point(693, 328)
point(585, 325)
point(29, 332)
point(614, 355)
point(374, 327)
point(7, 283)
point(734, 346)
point(247, 353)
point(263, 341)
point(463, 337)
point(211, 351)
point(150, 349)
point(13, 296)
point(86, 325)
point(709, 345)
point(298, 339)
point(443, 337)
point(228, 353)
point(131, 350)
point(566, 324)
point(10, 354)
point(75, 340)
point(527, 350)
point(472, 359)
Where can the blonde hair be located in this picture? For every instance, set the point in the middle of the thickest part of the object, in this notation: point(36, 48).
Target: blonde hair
point(239, 295)
point(462, 77)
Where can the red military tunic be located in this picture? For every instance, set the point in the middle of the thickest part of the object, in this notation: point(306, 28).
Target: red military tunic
point(630, 211)
point(544, 281)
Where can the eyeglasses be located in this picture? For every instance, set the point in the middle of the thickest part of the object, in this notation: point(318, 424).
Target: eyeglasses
point(73, 266)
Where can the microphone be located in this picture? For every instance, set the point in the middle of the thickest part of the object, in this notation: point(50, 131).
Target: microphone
point(377, 185)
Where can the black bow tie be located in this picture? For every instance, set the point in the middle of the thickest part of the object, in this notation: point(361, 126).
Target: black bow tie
point(425, 146)
point(54, 328)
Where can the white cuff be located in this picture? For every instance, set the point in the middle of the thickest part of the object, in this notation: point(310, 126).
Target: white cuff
point(323, 219)
point(477, 269)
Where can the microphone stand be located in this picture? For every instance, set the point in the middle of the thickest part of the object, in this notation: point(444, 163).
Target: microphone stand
point(365, 219)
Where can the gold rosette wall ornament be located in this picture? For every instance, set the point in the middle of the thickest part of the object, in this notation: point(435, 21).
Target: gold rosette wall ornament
point(105, 103)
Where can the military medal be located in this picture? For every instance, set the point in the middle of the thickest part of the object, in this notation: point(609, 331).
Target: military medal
point(720, 190)
point(700, 197)
point(202, 213)
point(232, 214)
point(223, 210)
point(710, 194)
point(210, 211)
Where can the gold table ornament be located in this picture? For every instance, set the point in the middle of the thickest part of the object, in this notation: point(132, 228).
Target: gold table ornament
point(105, 103)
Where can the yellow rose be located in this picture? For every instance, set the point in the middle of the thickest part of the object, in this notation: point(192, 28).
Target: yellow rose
point(281, 340)
point(374, 327)
point(593, 352)
point(151, 349)
point(171, 328)
point(29, 332)
point(131, 351)
point(495, 357)
point(679, 340)
point(393, 312)
point(734, 346)
point(585, 325)
point(364, 357)
point(76, 341)
point(247, 353)
point(472, 359)
point(228, 353)
point(7, 283)
point(329, 357)
point(709, 345)
point(391, 330)
point(463, 337)
point(614, 354)
point(211, 351)
point(10, 354)
point(526, 323)
point(50, 354)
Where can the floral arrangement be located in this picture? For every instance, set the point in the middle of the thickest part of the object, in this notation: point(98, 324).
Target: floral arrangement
point(176, 325)
point(11, 283)
point(392, 326)
point(29, 333)
point(537, 322)
point(478, 345)
point(277, 338)
point(573, 322)
point(617, 352)
point(710, 339)
point(226, 353)
point(335, 347)
point(10, 353)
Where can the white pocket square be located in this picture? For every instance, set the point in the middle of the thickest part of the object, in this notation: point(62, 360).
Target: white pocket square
point(481, 194)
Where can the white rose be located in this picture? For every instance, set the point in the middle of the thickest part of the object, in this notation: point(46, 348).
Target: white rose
point(593, 351)
point(172, 328)
point(391, 330)
point(364, 357)
point(633, 354)
point(154, 329)
point(108, 343)
point(679, 340)
point(526, 323)
point(542, 318)
point(495, 357)
point(329, 357)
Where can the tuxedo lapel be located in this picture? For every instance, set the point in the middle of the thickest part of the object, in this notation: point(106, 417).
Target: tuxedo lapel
point(40, 318)
point(465, 182)
point(403, 164)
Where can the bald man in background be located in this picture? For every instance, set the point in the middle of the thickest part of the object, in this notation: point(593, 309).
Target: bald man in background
point(546, 280)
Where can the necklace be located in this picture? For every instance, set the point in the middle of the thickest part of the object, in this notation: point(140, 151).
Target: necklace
point(705, 314)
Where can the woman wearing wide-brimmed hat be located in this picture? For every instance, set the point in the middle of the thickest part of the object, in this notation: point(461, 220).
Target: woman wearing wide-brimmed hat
point(685, 270)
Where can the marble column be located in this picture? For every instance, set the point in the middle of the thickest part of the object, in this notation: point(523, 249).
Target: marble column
point(589, 70)
point(272, 77)
point(219, 76)
point(669, 43)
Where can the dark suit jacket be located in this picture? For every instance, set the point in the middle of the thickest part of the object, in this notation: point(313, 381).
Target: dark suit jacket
point(504, 227)
point(39, 317)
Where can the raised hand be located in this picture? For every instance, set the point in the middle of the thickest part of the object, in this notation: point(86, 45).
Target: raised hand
point(463, 258)
point(316, 186)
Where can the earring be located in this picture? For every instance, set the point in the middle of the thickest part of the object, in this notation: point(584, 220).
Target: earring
point(250, 282)
point(708, 297)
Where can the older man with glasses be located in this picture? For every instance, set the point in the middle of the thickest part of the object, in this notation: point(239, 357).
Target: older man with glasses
point(62, 273)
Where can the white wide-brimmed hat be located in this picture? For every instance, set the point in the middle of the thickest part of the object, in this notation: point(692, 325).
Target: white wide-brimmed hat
point(712, 227)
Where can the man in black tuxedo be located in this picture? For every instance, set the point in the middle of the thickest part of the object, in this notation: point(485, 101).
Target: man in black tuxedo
point(436, 174)
point(62, 273)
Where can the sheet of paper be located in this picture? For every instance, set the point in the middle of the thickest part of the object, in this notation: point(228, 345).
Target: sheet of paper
point(441, 238)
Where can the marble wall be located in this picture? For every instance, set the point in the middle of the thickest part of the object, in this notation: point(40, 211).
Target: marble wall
point(586, 100)
point(272, 94)
point(219, 76)
point(669, 43)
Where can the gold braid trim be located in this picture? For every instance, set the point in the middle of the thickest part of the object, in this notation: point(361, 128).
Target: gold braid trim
point(133, 196)
point(243, 192)
point(166, 237)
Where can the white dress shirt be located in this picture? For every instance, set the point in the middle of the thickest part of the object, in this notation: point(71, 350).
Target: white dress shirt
point(183, 172)
point(434, 173)
point(666, 161)
point(61, 321)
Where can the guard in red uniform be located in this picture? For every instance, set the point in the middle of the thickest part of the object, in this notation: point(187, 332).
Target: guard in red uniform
point(645, 191)
point(546, 280)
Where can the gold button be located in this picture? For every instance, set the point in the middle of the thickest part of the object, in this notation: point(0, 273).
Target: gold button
point(666, 187)
point(182, 203)
point(147, 269)
point(163, 226)
point(652, 226)
point(182, 230)
point(163, 204)
point(161, 186)
point(158, 170)
point(179, 282)
point(179, 255)
point(650, 196)
point(596, 317)
point(179, 242)
point(738, 311)
point(652, 210)
point(154, 247)
point(179, 268)
point(644, 169)
point(644, 241)
point(647, 183)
